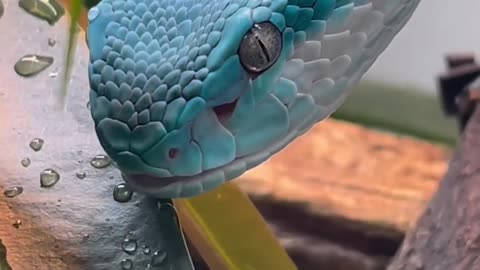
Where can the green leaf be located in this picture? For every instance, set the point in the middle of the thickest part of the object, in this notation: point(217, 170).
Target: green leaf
point(230, 233)
point(3, 258)
point(75, 8)
point(171, 233)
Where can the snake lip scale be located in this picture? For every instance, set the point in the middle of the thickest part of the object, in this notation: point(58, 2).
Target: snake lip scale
point(188, 94)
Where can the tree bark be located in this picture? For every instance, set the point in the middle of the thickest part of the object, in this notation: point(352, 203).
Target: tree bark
point(447, 236)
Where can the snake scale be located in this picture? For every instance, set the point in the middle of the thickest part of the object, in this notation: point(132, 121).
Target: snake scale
point(189, 94)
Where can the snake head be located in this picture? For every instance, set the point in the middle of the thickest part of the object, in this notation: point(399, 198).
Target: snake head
point(186, 94)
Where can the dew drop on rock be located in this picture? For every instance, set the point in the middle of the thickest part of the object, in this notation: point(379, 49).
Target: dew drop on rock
point(85, 237)
point(126, 264)
point(159, 258)
point(146, 250)
point(129, 246)
point(121, 193)
point(53, 74)
point(37, 144)
point(13, 192)
point(49, 10)
point(49, 178)
point(52, 42)
point(31, 64)
point(17, 224)
point(101, 161)
point(26, 162)
point(81, 175)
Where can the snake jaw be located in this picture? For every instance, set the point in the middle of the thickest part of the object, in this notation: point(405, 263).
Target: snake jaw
point(175, 105)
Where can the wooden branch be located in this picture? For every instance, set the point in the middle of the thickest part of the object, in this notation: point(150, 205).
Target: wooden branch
point(447, 236)
point(340, 170)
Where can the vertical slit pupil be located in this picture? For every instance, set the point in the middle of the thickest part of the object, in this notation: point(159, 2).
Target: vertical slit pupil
point(260, 47)
point(263, 47)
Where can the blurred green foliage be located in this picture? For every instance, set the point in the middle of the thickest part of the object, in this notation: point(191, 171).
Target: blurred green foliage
point(407, 111)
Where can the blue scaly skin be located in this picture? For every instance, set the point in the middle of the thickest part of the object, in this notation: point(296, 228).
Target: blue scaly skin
point(175, 103)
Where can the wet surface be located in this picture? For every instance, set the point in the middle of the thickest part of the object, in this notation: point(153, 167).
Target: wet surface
point(76, 220)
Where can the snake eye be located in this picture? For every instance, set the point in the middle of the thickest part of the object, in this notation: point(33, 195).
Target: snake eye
point(260, 47)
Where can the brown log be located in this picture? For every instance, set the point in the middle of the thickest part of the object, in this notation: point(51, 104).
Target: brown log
point(341, 170)
point(447, 236)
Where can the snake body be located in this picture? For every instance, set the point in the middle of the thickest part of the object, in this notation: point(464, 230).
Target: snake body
point(189, 94)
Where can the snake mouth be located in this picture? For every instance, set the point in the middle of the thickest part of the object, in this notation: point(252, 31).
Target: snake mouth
point(208, 180)
point(188, 186)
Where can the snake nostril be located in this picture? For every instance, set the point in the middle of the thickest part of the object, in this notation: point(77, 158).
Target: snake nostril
point(173, 153)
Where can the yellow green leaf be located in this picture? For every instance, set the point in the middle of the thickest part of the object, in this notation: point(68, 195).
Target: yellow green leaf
point(230, 233)
point(76, 10)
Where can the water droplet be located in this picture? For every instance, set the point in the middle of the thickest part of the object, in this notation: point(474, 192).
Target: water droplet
point(146, 250)
point(13, 192)
point(26, 162)
point(81, 175)
point(126, 264)
point(30, 64)
point(93, 13)
point(129, 246)
point(49, 178)
point(52, 42)
point(17, 223)
point(37, 144)
point(53, 74)
point(48, 10)
point(159, 258)
point(121, 193)
point(101, 161)
point(164, 203)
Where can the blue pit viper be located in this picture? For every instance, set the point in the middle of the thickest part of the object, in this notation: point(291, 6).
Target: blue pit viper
point(188, 94)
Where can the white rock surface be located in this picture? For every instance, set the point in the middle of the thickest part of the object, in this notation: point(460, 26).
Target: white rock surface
point(76, 224)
